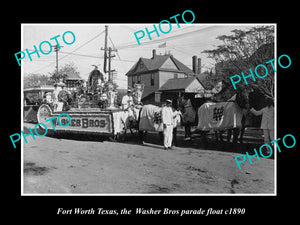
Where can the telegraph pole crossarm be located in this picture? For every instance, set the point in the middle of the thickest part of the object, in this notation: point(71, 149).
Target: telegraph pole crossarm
point(56, 51)
point(108, 56)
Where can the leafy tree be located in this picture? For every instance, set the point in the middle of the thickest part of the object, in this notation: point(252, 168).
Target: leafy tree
point(244, 50)
point(33, 79)
point(67, 71)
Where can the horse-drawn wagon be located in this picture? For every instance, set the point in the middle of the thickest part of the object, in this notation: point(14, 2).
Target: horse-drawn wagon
point(86, 120)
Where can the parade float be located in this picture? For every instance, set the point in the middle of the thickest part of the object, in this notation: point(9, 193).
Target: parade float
point(92, 107)
point(93, 111)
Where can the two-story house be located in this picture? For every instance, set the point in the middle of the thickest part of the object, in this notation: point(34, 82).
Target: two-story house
point(156, 71)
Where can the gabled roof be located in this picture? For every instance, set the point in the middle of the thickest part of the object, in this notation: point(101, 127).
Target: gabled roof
point(179, 84)
point(182, 67)
point(156, 62)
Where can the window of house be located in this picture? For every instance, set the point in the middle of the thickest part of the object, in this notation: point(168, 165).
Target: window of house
point(175, 75)
point(141, 66)
point(152, 79)
point(133, 80)
point(138, 78)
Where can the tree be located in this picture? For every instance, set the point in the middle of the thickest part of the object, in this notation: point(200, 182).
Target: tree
point(34, 79)
point(67, 71)
point(244, 50)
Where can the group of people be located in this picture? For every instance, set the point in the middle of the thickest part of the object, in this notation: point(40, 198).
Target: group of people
point(60, 98)
point(169, 114)
point(172, 114)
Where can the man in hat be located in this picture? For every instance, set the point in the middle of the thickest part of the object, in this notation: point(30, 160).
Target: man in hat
point(127, 100)
point(167, 117)
point(57, 89)
point(64, 96)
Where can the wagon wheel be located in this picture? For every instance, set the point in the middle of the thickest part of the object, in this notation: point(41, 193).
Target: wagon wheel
point(44, 112)
point(134, 128)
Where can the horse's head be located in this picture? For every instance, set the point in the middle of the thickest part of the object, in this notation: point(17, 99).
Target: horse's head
point(242, 97)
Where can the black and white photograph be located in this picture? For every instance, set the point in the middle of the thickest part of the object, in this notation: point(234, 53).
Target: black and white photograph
point(144, 109)
point(149, 111)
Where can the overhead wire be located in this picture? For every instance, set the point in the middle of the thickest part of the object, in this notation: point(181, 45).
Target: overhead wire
point(163, 39)
point(128, 45)
point(84, 44)
point(72, 51)
point(134, 42)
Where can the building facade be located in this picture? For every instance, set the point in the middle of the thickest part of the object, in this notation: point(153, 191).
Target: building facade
point(155, 72)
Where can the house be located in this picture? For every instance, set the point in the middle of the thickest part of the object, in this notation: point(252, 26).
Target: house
point(162, 74)
point(173, 88)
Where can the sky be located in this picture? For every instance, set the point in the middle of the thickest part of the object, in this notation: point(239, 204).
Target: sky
point(183, 43)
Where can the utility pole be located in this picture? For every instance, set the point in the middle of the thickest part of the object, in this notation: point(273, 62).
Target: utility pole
point(110, 77)
point(109, 56)
point(105, 49)
point(56, 51)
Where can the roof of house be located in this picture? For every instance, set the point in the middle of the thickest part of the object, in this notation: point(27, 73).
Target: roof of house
point(178, 84)
point(156, 62)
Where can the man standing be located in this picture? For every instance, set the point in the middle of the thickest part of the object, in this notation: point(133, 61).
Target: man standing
point(167, 117)
point(267, 121)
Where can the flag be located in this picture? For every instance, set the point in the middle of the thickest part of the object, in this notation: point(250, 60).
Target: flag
point(163, 45)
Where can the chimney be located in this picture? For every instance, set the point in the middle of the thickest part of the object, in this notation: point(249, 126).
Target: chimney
point(153, 53)
point(194, 64)
point(199, 66)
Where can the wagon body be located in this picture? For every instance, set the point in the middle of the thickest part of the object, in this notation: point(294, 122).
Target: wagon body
point(85, 120)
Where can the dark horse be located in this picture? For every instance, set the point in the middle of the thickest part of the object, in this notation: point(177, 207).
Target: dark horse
point(242, 100)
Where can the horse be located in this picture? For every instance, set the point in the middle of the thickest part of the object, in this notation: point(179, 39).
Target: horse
point(148, 118)
point(241, 102)
point(188, 114)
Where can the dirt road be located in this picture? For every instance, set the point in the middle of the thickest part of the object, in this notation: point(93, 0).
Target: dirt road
point(60, 165)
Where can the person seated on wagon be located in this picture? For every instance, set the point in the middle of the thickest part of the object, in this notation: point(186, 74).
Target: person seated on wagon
point(127, 106)
point(64, 97)
point(48, 97)
point(57, 89)
point(127, 100)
